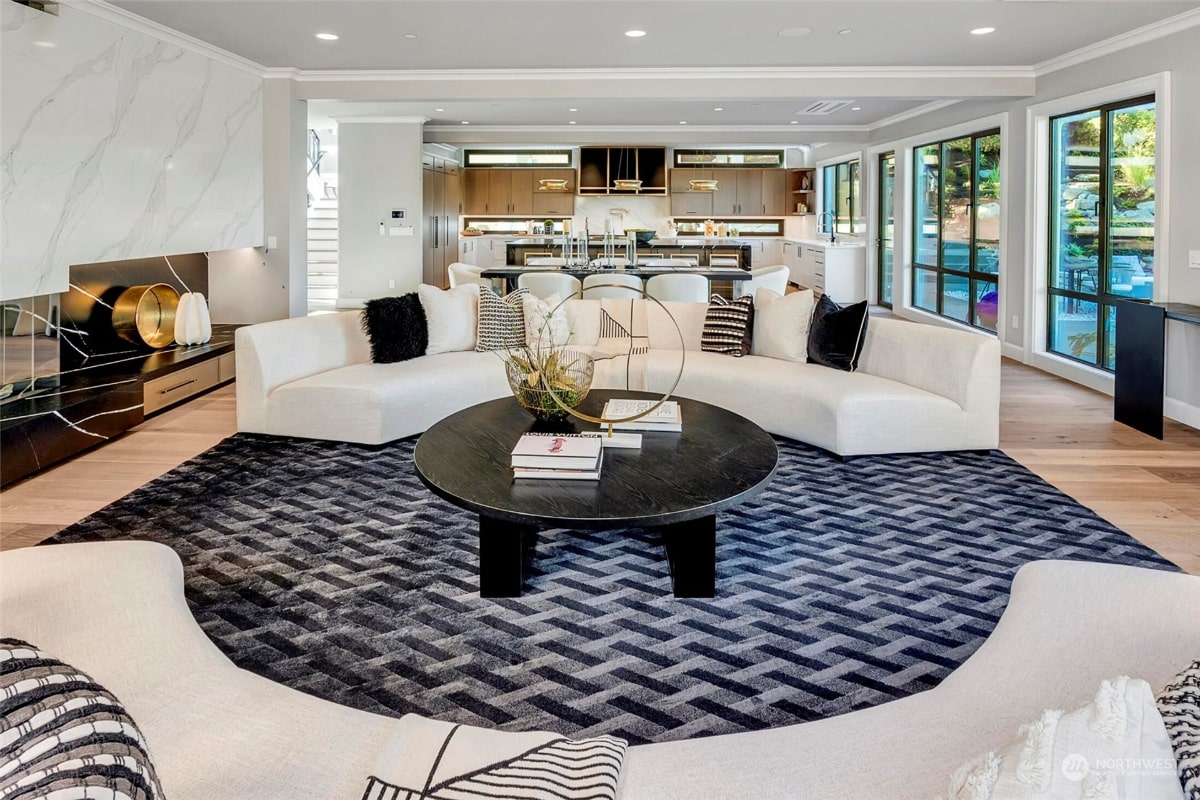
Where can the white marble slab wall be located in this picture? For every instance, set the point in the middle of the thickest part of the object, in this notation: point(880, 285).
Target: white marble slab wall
point(639, 212)
point(116, 145)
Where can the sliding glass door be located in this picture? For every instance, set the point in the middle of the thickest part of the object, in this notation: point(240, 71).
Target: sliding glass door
point(1101, 226)
point(886, 245)
point(956, 235)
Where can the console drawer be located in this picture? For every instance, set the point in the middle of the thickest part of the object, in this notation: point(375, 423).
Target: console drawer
point(179, 385)
point(226, 367)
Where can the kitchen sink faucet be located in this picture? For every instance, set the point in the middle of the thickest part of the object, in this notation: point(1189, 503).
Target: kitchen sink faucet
point(829, 230)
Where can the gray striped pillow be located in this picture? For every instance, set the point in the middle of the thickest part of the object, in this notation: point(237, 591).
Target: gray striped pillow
point(501, 320)
point(728, 326)
point(60, 731)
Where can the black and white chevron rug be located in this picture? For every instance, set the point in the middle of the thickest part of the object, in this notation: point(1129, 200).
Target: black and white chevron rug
point(330, 568)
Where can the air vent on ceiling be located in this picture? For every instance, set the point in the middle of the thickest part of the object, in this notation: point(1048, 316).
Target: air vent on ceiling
point(48, 6)
point(822, 107)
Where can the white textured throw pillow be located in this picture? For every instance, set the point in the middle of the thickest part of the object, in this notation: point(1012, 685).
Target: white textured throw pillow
point(781, 325)
point(546, 327)
point(450, 316)
point(1114, 748)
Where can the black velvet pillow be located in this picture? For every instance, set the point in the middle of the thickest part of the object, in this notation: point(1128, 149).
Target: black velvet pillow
point(396, 327)
point(836, 334)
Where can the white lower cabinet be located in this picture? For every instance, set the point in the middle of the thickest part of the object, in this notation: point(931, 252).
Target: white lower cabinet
point(838, 271)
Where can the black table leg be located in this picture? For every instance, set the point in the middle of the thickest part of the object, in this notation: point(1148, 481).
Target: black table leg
point(503, 549)
point(692, 553)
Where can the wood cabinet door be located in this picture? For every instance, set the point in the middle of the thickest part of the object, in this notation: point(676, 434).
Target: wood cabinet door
point(691, 204)
point(499, 191)
point(521, 191)
point(475, 191)
point(725, 198)
point(775, 195)
point(750, 192)
point(681, 177)
point(431, 210)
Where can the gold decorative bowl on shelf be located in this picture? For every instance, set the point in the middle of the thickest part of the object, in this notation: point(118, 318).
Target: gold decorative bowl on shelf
point(145, 315)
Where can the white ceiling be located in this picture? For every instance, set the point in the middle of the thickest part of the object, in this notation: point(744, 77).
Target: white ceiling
point(550, 34)
point(914, 52)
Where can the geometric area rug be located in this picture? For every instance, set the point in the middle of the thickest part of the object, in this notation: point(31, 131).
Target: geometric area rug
point(330, 568)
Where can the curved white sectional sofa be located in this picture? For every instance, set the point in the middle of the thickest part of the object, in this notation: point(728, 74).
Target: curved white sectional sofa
point(216, 731)
point(918, 387)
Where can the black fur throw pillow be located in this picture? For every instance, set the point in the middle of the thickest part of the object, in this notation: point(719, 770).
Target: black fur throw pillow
point(396, 327)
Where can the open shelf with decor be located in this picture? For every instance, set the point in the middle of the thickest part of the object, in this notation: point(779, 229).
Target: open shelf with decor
point(802, 184)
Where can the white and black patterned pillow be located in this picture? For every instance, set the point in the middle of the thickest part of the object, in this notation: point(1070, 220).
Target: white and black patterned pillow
point(1179, 704)
point(61, 732)
point(728, 326)
point(501, 320)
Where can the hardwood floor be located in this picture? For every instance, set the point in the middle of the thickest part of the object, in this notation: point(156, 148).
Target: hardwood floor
point(1061, 431)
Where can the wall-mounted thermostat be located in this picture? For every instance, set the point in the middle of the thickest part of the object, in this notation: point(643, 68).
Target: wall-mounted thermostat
point(398, 213)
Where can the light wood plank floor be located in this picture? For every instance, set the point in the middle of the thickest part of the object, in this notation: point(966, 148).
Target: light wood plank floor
point(1061, 431)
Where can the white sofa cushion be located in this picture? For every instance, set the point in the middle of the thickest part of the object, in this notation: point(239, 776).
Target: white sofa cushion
point(781, 325)
point(450, 315)
point(376, 403)
point(848, 413)
point(546, 322)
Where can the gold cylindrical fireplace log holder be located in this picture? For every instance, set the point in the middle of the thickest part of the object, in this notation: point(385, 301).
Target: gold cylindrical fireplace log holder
point(145, 315)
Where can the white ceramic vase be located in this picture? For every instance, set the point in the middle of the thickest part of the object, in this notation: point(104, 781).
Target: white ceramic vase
point(192, 323)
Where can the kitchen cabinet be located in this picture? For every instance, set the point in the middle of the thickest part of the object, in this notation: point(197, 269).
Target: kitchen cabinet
point(441, 204)
point(482, 252)
point(514, 192)
point(839, 271)
point(740, 193)
point(765, 252)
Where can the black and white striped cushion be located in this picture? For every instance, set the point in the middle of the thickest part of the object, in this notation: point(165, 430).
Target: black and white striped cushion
point(560, 769)
point(63, 735)
point(501, 320)
point(728, 326)
point(1179, 704)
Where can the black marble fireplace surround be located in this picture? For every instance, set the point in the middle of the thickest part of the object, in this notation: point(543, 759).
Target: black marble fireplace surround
point(97, 392)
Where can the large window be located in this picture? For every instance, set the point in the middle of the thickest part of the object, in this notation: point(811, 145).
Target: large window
point(1101, 224)
point(840, 190)
point(956, 235)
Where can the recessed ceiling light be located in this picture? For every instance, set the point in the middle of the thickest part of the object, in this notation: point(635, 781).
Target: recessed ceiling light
point(982, 31)
point(43, 43)
point(572, 109)
point(794, 122)
point(635, 34)
point(410, 36)
point(682, 122)
point(718, 108)
point(792, 32)
point(846, 31)
point(327, 37)
point(856, 108)
point(439, 109)
point(572, 122)
point(464, 122)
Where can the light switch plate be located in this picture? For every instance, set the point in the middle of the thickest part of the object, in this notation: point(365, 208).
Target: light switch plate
point(272, 242)
point(1194, 259)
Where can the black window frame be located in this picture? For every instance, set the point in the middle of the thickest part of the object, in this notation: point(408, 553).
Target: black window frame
point(1104, 300)
point(972, 273)
point(853, 198)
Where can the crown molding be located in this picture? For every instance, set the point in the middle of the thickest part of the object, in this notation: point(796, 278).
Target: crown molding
point(677, 129)
point(1148, 33)
point(127, 19)
point(663, 73)
point(346, 120)
point(919, 111)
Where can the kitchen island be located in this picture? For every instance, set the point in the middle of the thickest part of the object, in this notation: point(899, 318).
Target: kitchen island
point(705, 251)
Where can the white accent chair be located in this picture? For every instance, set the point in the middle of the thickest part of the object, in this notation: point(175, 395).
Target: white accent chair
point(680, 288)
point(462, 274)
point(544, 284)
point(774, 278)
point(595, 288)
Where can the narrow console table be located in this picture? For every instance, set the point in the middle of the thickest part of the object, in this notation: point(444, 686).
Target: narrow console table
point(1141, 360)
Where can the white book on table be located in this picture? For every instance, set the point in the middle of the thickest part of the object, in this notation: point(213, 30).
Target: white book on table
point(667, 417)
point(557, 451)
point(591, 473)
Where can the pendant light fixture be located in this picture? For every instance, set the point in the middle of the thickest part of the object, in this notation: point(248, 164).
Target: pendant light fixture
point(704, 184)
point(625, 184)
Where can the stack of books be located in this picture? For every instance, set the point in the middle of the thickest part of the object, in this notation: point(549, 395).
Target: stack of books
point(664, 418)
point(559, 456)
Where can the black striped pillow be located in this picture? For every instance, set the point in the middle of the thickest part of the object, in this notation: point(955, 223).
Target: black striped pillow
point(1179, 704)
point(60, 731)
point(728, 326)
point(501, 320)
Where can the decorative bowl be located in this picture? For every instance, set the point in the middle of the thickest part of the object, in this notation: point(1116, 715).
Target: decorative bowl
point(567, 372)
point(145, 315)
point(643, 235)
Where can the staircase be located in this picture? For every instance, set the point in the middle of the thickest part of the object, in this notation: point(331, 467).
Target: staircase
point(322, 255)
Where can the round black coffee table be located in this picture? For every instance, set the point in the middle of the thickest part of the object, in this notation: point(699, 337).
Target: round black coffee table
point(676, 483)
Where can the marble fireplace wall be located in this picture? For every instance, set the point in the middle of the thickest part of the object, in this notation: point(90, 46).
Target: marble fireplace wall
point(115, 145)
